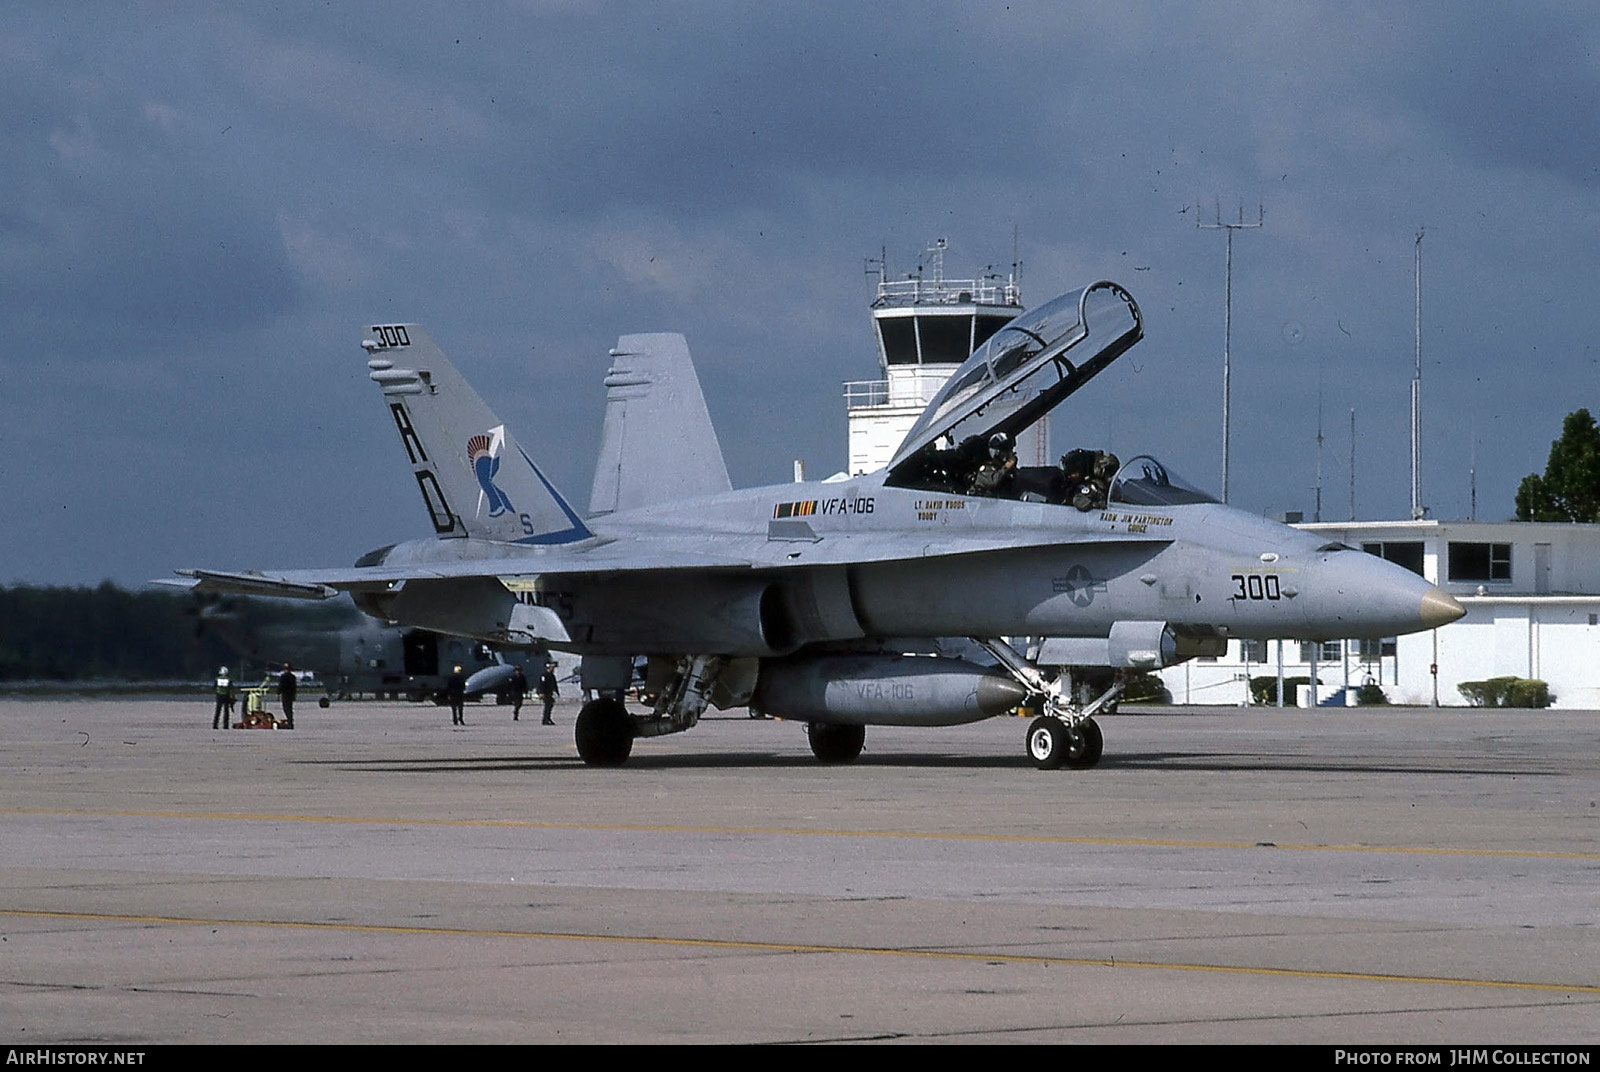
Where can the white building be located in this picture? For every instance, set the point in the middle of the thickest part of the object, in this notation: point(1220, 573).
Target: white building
point(1532, 593)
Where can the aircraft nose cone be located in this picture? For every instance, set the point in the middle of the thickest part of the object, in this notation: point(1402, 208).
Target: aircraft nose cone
point(1440, 608)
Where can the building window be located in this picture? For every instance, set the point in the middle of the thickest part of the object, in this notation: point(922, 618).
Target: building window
point(1407, 553)
point(1328, 651)
point(1372, 650)
point(1253, 651)
point(1480, 562)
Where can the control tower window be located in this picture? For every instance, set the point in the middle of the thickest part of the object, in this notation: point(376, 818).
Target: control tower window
point(986, 326)
point(899, 336)
point(946, 340)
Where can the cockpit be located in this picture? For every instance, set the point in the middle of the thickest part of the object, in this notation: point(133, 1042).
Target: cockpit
point(1023, 371)
point(965, 441)
point(1086, 479)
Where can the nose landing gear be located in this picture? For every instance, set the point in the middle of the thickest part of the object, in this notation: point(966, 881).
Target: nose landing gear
point(1067, 734)
point(1053, 744)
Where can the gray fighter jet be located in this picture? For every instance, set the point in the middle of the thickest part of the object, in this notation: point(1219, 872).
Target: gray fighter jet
point(827, 602)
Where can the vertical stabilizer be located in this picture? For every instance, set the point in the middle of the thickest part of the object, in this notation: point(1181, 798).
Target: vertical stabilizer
point(474, 478)
point(658, 444)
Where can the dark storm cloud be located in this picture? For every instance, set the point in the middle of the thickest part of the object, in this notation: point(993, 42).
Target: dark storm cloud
point(119, 221)
point(703, 108)
point(1516, 87)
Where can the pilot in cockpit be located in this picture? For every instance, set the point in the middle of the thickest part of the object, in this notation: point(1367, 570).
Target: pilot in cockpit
point(998, 469)
point(1087, 476)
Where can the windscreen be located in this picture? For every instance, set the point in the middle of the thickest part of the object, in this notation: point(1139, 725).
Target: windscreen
point(1143, 481)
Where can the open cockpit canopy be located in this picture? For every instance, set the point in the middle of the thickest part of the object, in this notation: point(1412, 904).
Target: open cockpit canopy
point(1023, 372)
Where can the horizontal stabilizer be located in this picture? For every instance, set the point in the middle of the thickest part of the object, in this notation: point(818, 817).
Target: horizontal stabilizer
point(251, 584)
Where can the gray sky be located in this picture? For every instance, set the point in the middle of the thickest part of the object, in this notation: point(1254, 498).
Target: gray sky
point(202, 210)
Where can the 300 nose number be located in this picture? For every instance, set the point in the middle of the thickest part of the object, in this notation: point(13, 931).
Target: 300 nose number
point(1256, 586)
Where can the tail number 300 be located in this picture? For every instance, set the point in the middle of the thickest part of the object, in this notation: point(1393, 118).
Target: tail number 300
point(387, 335)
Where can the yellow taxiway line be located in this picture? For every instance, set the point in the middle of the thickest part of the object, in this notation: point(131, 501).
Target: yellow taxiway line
point(773, 831)
point(802, 948)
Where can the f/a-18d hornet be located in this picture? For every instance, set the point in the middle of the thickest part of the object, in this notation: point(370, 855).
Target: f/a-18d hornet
point(826, 602)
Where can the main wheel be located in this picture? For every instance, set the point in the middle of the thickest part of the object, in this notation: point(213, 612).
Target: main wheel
point(836, 744)
point(1085, 742)
point(604, 733)
point(1047, 742)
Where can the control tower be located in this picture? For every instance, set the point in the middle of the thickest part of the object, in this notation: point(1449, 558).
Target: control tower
point(925, 328)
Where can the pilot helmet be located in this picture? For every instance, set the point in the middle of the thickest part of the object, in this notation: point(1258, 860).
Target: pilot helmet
point(999, 445)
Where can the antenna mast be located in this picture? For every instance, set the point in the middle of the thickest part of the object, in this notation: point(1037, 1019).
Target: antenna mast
point(1317, 513)
point(1352, 465)
point(1472, 476)
point(1417, 510)
point(1227, 321)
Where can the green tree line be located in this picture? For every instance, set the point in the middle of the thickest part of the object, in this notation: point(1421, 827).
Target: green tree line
point(103, 633)
point(1569, 490)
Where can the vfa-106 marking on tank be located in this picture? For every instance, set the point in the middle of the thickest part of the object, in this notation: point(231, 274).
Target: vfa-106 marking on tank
point(822, 602)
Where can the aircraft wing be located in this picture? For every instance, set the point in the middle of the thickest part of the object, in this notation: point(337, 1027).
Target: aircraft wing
point(326, 583)
point(794, 549)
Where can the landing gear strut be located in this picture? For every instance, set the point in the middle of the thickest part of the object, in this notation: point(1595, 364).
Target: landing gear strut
point(1067, 734)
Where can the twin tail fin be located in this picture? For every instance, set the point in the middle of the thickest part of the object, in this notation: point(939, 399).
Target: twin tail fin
point(474, 478)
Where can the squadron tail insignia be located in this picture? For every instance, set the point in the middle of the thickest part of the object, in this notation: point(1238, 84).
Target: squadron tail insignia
point(483, 452)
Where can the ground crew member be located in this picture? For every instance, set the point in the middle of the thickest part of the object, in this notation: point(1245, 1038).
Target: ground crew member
point(519, 690)
point(224, 709)
point(548, 691)
point(455, 690)
point(288, 685)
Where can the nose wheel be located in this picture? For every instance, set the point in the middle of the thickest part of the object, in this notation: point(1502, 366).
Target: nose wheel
point(1053, 744)
point(1053, 740)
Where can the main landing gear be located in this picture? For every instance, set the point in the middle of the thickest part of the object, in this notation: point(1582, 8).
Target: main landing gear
point(604, 733)
point(836, 744)
point(1066, 735)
